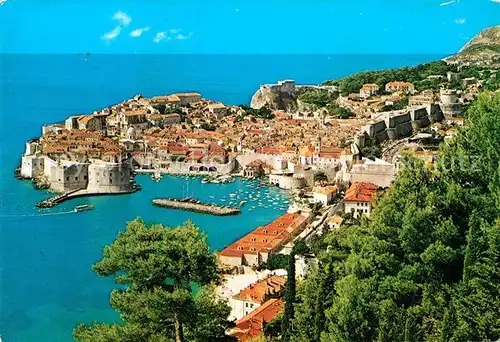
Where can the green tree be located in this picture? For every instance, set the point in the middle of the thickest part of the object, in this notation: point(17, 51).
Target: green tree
point(157, 266)
point(290, 294)
point(320, 177)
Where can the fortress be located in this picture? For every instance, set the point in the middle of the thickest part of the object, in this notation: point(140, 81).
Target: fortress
point(399, 124)
point(95, 176)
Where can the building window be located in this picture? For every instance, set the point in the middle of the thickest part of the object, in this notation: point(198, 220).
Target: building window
point(84, 177)
point(252, 239)
point(67, 178)
point(76, 178)
point(110, 181)
point(265, 230)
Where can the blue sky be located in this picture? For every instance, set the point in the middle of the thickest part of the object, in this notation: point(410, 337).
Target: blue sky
point(242, 26)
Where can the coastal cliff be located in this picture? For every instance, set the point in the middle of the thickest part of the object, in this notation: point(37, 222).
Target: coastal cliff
point(484, 48)
point(281, 96)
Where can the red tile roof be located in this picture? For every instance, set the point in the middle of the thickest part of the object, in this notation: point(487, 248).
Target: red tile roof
point(252, 325)
point(267, 238)
point(261, 290)
point(361, 192)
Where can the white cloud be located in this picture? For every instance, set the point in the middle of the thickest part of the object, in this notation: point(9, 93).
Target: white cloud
point(159, 37)
point(460, 21)
point(448, 3)
point(123, 18)
point(138, 32)
point(2, 2)
point(173, 34)
point(183, 37)
point(497, 1)
point(112, 34)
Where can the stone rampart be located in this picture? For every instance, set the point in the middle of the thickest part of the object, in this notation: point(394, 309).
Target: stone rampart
point(398, 125)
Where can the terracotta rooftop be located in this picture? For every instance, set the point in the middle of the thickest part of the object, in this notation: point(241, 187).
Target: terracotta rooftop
point(361, 192)
point(267, 238)
point(260, 291)
point(166, 99)
point(326, 190)
point(399, 84)
point(252, 325)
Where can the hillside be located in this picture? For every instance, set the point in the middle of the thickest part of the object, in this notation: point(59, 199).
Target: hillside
point(482, 49)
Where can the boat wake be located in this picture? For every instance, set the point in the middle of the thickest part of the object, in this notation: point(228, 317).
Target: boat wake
point(38, 215)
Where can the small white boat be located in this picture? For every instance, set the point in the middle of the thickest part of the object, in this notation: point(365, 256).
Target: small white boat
point(79, 209)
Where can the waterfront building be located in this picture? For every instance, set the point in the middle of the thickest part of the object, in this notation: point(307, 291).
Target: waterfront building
point(359, 199)
point(287, 180)
point(405, 87)
point(31, 165)
point(253, 296)
point(106, 177)
point(66, 175)
point(255, 247)
point(256, 168)
point(252, 325)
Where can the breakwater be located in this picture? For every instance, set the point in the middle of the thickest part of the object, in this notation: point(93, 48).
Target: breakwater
point(55, 200)
point(196, 206)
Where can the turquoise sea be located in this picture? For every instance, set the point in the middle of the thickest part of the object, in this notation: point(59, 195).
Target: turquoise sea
point(46, 284)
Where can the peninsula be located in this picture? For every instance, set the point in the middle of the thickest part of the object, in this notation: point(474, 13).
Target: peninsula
point(352, 130)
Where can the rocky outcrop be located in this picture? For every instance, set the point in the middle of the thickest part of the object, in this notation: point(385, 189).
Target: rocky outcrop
point(274, 99)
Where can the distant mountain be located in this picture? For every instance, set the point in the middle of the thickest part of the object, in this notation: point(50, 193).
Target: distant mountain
point(482, 49)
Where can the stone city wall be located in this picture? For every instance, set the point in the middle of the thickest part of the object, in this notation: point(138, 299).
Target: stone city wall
point(397, 125)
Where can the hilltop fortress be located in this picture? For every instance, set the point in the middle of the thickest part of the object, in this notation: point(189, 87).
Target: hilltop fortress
point(396, 125)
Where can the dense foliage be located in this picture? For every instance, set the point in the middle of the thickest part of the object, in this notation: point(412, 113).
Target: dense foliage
point(264, 112)
point(426, 266)
point(396, 106)
point(157, 267)
point(318, 97)
point(417, 75)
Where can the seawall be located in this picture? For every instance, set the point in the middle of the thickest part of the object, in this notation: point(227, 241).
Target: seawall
point(196, 207)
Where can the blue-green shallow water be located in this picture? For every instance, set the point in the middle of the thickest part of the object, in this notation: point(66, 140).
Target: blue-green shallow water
point(46, 285)
point(50, 255)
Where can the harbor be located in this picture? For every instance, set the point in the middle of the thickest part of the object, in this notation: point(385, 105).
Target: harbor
point(190, 204)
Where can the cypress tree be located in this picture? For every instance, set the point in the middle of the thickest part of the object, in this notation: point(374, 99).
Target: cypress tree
point(286, 325)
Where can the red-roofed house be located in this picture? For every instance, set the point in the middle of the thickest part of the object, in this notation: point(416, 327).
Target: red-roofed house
point(359, 199)
point(255, 247)
point(252, 325)
point(253, 296)
point(405, 87)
